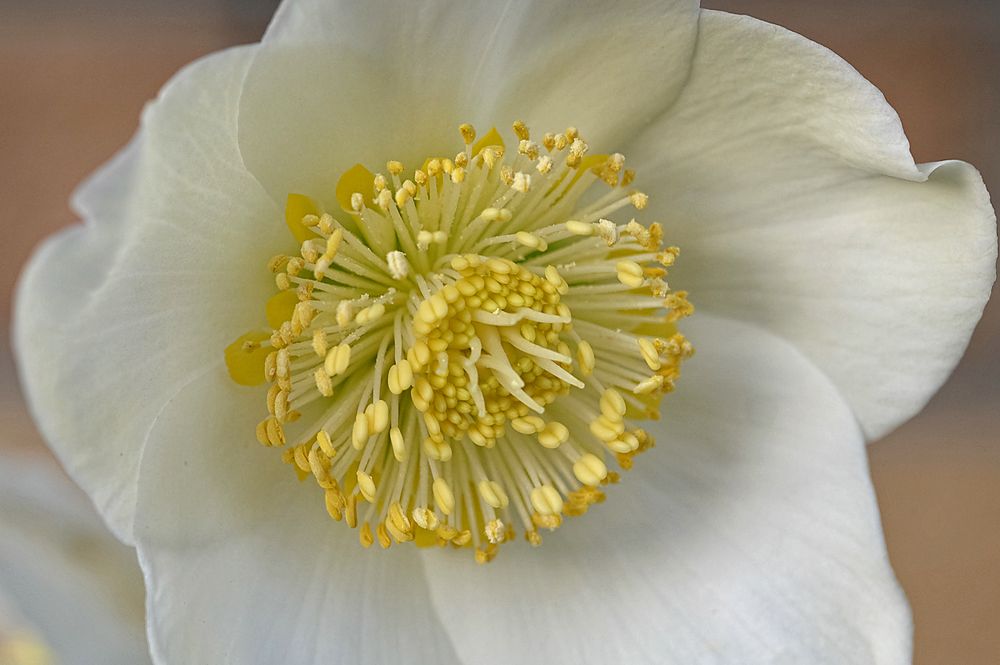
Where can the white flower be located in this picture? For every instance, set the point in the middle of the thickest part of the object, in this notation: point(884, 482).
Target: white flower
point(69, 592)
point(837, 283)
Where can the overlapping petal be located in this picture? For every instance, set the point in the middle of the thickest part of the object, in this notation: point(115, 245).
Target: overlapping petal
point(340, 82)
point(113, 316)
point(749, 535)
point(58, 564)
point(242, 564)
point(787, 181)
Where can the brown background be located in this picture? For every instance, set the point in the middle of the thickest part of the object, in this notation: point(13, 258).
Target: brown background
point(74, 76)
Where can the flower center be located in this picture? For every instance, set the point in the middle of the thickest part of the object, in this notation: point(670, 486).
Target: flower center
point(462, 352)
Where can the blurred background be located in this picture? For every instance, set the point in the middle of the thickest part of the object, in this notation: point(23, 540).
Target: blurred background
point(75, 75)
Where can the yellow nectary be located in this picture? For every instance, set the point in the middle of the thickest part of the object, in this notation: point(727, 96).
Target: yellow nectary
point(463, 350)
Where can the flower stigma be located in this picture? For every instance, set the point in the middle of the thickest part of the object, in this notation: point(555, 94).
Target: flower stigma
point(459, 351)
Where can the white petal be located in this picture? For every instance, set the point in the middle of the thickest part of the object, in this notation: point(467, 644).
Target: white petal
point(244, 566)
point(343, 82)
point(787, 182)
point(749, 534)
point(113, 316)
point(58, 564)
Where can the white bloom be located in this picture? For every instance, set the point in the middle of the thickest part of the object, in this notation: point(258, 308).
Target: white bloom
point(837, 283)
point(69, 592)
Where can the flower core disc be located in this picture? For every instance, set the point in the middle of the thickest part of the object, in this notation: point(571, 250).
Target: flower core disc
point(461, 350)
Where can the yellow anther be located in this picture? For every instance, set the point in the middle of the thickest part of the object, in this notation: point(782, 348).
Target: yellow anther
point(553, 277)
point(521, 182)
point(612, 404)
point(578, 228)
point(554, 435)
point(401, 197)
point(360, 432)
point(590, 470)
point(261, 433)
point(380, 416)
point(319, 343)
point(277, 263)
point(529, 240)
point(468, 133)
point(275, 433)
point(365, 535)
point(649, 354)
point(528, 424)
point(281, 405)
point(647, 386)
point(493, 494)
point(608, 231)
point(521, 130)
point(351, 511)
point(630, 273)
point(398, 444)
point(384, 199)
point(294, 266)
point(425, 518)
point(495, 532)
point(366, 486)
point(585, 357)
point(309, 252)
point(337, 359)
point(606, 429)
point(345, 313)
point(399, 267)
point(323, 383)
point(528, 148)
point(301, 458)
point(547, 500)
point(325, 444)
point(394, 167)
point(437, 449)
point(400, 377)
point(382, 534)
point(370, 314)
point(333, 243)
point(318, 464)
point(334, 504)
point(443, 497)
point(638, 200)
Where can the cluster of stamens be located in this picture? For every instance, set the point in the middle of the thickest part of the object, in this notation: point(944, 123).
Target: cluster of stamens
point(462, 351)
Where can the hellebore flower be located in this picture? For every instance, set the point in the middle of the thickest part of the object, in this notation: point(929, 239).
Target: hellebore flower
point(461, 350)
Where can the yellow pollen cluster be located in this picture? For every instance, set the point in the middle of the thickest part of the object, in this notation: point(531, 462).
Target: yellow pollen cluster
point(501, 317)
point(465, 350)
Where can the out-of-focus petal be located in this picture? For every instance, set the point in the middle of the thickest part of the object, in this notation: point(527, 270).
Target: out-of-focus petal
point(244, 566)
point(339, 83)
point(78, 587)
point(749, 534)
point(114, 315)
point(787, 181)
